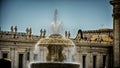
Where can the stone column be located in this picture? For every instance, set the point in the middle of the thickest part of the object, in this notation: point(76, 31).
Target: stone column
point(107, 60)
point(89, 60)
point(98, 61)
point(116, 28)
point(12, 57)
point(80, 59)
point(16, 58)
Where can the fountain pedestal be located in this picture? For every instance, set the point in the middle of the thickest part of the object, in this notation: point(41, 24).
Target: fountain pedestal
point(55, 53)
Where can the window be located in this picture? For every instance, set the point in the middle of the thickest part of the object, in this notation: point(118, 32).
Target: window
point(94, 61)
point(104, 61)
point(84, 61)
point(5, 55)
point(28, 56)
point(20, 60)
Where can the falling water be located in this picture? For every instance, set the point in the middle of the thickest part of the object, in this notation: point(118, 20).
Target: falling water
point(36, 52)
point(71, 56)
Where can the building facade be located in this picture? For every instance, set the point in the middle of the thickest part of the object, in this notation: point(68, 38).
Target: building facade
point(90, 53)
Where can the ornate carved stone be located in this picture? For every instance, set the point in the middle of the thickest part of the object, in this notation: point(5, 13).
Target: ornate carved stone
point(12, 29)
point(41, 33)
point(44, 33)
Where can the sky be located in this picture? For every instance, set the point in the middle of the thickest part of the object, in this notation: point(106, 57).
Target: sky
point(37, 14)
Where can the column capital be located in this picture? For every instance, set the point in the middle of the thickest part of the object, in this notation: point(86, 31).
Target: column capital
point(113, 2)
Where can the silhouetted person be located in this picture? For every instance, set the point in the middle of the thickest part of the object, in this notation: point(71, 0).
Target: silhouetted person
point(5, 63)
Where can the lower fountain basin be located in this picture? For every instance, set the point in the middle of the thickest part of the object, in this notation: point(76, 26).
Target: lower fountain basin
point(54, 65)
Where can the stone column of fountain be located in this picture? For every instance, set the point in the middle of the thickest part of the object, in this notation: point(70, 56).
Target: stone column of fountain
point(56, 45)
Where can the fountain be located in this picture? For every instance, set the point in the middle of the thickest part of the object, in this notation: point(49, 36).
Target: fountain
point(59, 51)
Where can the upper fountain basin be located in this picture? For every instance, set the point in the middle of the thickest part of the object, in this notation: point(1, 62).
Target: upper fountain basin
point(56, 39)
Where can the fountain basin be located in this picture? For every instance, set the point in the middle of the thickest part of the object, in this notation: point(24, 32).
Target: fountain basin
point(54, 65)
point(55, 39)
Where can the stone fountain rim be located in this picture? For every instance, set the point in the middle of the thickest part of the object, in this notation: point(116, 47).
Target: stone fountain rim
point(37, 62)
point(56, 41)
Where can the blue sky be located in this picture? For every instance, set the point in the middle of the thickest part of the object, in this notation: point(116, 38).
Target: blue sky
point(37, 14)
